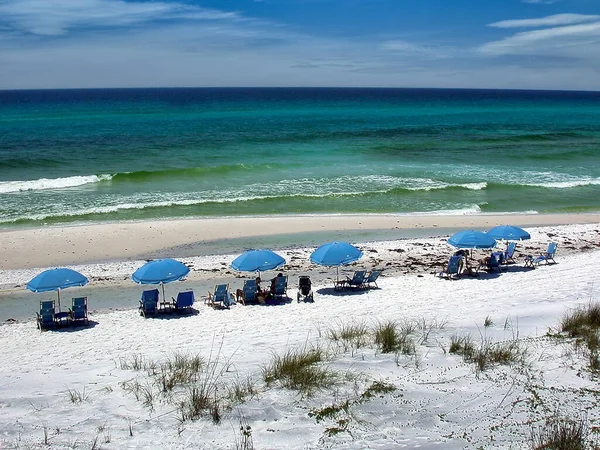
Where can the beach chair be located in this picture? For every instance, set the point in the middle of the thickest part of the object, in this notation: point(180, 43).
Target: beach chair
point(149, 303)
point(550, 252)
point(492, 263)
point(510, 252)
point(45, 318)
point(221, 296)
point(184, 302)
point(371, 280)
point(305, 292)
point(280, 286)
point(79, 310)
point(453, 267)
point(547, 256)
point(249, 291)
point(357, 281)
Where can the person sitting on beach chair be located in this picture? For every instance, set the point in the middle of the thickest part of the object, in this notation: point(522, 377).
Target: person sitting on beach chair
point(250, 292)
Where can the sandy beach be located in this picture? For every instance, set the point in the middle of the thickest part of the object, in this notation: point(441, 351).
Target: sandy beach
point(72, 245)
point(109, 253)
point(72, 387)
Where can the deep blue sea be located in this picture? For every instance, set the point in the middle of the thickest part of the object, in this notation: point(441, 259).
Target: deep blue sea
point(133, 154)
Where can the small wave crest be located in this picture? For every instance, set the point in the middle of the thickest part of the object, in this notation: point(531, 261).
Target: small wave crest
point(7, 187)
point(466, 211)
point(565, 184)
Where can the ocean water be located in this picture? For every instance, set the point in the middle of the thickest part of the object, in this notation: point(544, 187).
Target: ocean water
point(73, 156)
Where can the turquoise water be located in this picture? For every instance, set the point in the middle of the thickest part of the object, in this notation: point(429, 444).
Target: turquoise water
point(104, 155)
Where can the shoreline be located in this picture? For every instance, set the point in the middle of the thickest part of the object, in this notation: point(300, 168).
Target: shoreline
point(126, 241)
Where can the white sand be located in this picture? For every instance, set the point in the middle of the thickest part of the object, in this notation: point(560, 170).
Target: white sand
point(439, 401)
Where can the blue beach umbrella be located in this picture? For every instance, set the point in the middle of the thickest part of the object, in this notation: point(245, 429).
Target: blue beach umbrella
point(509, 233)
point(160, 271)
point(257, 260)
point(55, 280)
point(471, 239)
point(335, 254)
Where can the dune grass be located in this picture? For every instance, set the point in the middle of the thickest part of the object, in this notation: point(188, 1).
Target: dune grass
point(299, 370)
point(488, 354)
point(392, 337)
point(583, 324)
point(560, 433)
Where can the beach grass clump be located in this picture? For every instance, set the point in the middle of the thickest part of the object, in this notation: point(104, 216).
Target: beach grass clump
point(340, 414)
point(581, 320)
point(377, 388)
point(392, 338)
point(350, 336)
point(203, 396)
point(76, 396)
point(560, 433)
point(186, 381)
point(143, 392)
point(300, 370)
point(426, 327)
point(200, 400)
point(181, 369)
point(583, 324)
point(488, 354)
point(134, 362)
point(462, 345)
point(239, 391)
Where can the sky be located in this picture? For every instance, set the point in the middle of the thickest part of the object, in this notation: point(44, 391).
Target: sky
point(514, 44)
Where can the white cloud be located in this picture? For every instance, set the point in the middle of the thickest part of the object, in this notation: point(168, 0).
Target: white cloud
point(555, 20)
point(579, 41)
point(541, 2)
point(55, 17)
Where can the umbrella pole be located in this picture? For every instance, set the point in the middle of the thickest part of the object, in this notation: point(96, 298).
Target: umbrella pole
point(163, 289)
point(58, 294)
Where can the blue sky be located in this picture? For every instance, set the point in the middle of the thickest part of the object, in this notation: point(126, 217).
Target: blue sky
point(529, 44)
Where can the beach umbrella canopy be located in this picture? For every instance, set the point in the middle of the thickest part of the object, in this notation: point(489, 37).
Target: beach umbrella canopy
point(335, 254)
point(472, 239)
point(160, 271)
point(257, 260)
point(509, 233)
point(55, 280)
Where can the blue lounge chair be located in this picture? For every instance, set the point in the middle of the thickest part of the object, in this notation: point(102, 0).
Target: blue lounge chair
point(249, 291)
point(149, 303)
point(79, 310)
point(184, 302)
point(452, 270)
point(279, 286)
point(493, 262)
point(509, 253)
point(220, 296)
point(547, 256)
point(371, 280)
point(45, 318)
point(357, 280)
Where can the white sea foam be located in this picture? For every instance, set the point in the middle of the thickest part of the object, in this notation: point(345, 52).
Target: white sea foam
point(361, 184)
point(6, 187)
point(566, 184)
point(473, 209)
